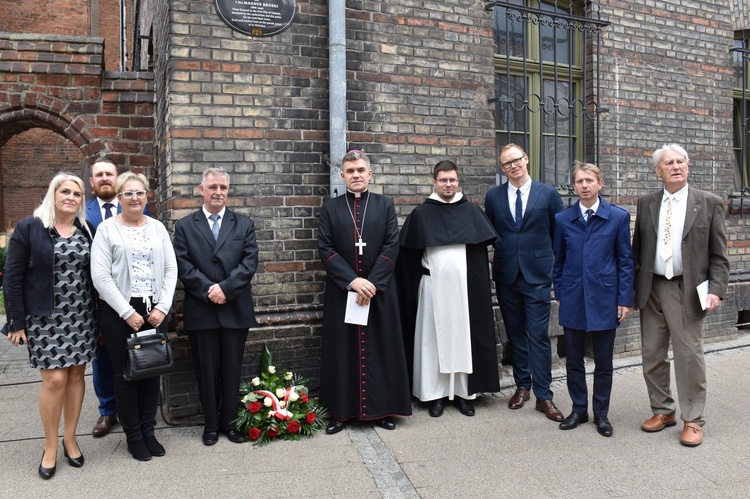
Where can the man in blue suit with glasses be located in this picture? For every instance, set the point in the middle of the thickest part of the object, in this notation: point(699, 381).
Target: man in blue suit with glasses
point(522, 211)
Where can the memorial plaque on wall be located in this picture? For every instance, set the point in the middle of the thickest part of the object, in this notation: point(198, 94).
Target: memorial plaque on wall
point(257, 17)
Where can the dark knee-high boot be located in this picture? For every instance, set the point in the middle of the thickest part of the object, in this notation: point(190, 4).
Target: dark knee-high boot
point(148, 398)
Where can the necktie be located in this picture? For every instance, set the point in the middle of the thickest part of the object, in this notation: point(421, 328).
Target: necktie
point(519, 208)
point(589, 213)
point(108, 210)
point(665, 249)
point(215, 225)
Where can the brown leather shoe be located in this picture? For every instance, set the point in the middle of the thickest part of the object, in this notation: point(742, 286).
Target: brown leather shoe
point(658, 422)
point(103, 425)
point(692, 434)
point(519, 398)
point(549, 410)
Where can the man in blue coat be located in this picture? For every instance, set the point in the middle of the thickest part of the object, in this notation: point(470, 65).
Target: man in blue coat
point(593, 279)
point(522, 211)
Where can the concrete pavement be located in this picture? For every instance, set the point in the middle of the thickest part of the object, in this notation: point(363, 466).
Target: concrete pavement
point(497, 453)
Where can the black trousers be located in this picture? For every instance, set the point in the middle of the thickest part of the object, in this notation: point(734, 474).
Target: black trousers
point(217, 358)
point(575, 348)
point(137, 401)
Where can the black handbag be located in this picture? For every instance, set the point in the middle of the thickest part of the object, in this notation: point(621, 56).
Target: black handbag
point(149, 354)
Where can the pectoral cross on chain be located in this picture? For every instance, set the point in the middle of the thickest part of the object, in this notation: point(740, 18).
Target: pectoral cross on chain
point(359, 244)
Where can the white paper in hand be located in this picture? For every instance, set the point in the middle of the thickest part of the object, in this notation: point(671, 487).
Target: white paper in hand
point(702, 289)
point(356, 314)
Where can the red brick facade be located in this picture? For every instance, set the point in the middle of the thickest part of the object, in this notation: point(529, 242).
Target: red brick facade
point(29, 161)
point(59, 83)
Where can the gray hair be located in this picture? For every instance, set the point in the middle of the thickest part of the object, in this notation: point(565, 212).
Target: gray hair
point(216, 171)
point(128, 176)
point(656, 158)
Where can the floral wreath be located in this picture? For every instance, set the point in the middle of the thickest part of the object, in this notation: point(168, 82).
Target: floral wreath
point(275, 405)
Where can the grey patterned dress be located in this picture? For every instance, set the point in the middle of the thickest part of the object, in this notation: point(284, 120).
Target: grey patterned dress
point(68, 337)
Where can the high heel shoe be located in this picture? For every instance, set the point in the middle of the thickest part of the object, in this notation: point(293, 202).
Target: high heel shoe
point(46, 473)
point(75, 462)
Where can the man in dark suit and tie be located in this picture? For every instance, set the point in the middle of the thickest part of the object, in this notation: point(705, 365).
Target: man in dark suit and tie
point(522, 211)
point(217, 256)
point(679, 242)
point(593, 278)
point(105, 205)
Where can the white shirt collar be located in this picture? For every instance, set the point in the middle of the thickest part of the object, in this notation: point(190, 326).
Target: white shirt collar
point(526, 187)
point(115, 202)
point(208, 214)
point(677, 196)
point(594, 208)
point(455, 199)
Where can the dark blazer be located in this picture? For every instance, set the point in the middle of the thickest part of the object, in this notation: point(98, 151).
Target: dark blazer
point(593, 271)
point(28, 282)
point(704, 247)
point(94, 213)
point(230, 261)
point(530, 246)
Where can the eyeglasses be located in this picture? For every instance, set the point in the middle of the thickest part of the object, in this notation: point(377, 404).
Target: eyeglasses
point(443, 181)
point(130, 194)
point(514, 162)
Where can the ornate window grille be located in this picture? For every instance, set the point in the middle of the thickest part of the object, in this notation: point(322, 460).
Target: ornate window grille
point(741, 125)
point(546, 83)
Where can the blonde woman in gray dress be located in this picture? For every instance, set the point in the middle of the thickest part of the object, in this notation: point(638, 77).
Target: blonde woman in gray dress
point(50, 307)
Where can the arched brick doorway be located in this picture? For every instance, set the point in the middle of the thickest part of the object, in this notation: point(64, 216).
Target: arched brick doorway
point(34, 145)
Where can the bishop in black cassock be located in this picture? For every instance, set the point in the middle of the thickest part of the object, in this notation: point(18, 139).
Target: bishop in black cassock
point(363, 368)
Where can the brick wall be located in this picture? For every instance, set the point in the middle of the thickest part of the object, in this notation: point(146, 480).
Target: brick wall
point(258, 108)
point(57, 83)
point(61, 17)
point(70, 17)
point(666, 77)
point(108, 24)
point(30, 160)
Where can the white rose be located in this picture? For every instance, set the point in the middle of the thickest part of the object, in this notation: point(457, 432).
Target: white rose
point(282, 404)
point(272, 369)
point(294, 396)
point(255, 381)
point(280, 392)
point(268, 402)
point(288, 376)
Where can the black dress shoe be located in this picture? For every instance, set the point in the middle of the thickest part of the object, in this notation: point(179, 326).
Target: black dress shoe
point(335, 427)
point(463, 406)
point(46, 473)
point(386, 424)
point(603, 426)
point(574, 420)
point(234, 436)
point(210, 437)
point(436, 408)
point(75, 462)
